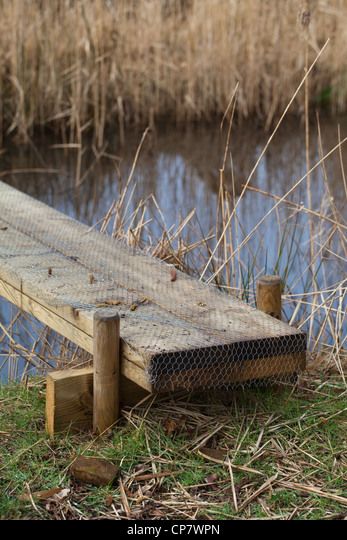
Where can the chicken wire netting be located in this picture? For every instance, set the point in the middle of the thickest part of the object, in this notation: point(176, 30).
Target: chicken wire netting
point(183, 333)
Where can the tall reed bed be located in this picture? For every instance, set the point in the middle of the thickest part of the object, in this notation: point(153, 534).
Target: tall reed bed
point(97, 64)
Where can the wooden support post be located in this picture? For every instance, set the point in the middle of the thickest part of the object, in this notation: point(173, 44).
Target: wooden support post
point(106, 371)
point(269, 290)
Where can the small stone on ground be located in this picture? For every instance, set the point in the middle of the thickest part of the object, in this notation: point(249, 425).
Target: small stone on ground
point(92, 470)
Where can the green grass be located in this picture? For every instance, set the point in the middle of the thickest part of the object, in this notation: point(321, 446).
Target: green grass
point(300, 435)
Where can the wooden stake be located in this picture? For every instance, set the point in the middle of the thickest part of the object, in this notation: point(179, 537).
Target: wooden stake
point(269, 290)
point(106, 371)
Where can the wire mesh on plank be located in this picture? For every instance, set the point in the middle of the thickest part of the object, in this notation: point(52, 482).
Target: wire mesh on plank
point(189, 334)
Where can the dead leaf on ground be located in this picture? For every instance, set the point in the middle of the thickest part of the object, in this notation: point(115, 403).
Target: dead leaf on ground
point(173, 425)
point(61, 495)
point(156, 512)
point(211, 479)
point(213, 453)
point(57, 494)
point(109, 500)
point(173, 274)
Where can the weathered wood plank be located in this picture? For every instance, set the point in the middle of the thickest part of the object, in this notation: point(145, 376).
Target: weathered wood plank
point(58, 266)
point(134, 271)
point(69, 400)
point(132, 365)
point(61, 292)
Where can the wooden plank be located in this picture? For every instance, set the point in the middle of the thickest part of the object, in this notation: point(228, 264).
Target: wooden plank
point(47, 316)
point(147, 330)
point(71, 271)
point(240, 359)
point(69, 399)
point(188, 299)
point(131, 364)
point(130, 369)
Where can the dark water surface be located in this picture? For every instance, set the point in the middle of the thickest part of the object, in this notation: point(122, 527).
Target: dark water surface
point(180, 168)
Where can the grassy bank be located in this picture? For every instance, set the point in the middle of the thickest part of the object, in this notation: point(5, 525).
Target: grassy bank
point(271, 454)
point(74, 65)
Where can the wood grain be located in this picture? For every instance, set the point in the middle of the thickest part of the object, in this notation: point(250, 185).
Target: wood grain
point(106, 360)
point(269, 299)
point(69, 399)
point(46, 263)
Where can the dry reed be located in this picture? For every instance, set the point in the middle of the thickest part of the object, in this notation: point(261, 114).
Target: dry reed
point(98, 64)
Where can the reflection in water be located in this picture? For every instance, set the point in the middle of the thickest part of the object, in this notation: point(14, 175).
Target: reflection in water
point(180, 168)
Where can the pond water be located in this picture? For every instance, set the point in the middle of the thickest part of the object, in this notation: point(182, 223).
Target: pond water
point(180, 168)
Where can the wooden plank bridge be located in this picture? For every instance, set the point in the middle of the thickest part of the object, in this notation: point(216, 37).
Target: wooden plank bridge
point(156, 326)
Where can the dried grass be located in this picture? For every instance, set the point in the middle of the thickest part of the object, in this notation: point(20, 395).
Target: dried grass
point(81, 65)
point(265, 455)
